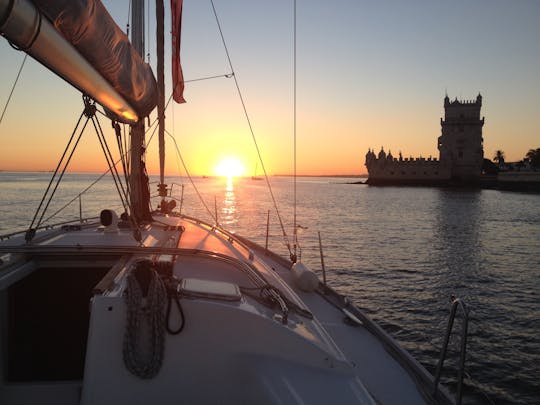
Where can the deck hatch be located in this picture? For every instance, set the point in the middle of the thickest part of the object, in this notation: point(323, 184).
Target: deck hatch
point(194, 287)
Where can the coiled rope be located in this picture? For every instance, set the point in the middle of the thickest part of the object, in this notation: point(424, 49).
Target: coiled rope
point(144, 338)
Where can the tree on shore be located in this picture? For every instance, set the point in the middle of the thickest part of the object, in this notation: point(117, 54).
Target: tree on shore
point(499, 157)
point(488, 167)
point(533, 156)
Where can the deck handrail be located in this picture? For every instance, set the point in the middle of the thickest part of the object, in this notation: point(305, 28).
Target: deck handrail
point(455, 303)
point(88, 220)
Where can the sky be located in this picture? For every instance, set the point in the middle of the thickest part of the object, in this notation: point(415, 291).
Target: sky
point(370, 74)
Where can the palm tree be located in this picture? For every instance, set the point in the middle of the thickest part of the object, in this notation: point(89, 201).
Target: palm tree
point(499, 157)
point(533, 156)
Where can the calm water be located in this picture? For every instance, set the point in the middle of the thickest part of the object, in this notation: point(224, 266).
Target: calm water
point(398, 252)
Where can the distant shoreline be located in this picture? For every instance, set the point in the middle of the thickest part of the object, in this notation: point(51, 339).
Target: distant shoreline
point(349, 176)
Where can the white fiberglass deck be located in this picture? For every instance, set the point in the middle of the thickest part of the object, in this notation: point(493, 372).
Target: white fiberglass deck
point(233, 350)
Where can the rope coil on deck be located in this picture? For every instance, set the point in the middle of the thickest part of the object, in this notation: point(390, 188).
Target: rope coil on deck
point(144, 338)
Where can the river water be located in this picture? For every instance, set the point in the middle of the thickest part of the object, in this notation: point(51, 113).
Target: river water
point(398, 252)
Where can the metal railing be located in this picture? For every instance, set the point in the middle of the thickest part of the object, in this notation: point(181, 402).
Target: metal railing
point(455, 303)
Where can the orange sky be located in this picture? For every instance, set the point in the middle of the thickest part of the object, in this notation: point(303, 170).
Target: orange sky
point(368, 76)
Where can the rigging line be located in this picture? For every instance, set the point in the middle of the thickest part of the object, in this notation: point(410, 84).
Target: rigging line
point(174, 131)
point(151, 125)
point(123, 154)
point(114, 171)
point(285, 237)
point(81, 193)
point(108, 156)
point(40, 221)
point(226, 75)
point(189, 176)
point(77, 196)
point(148, 33)
point(295, 230)
point(152, 135)
point(56, 170)
point(118, 137)
point(179, 170)
point(172, 119)
point(110, 162)
point(129, 15)
point(127, 149)
point(13, 88)
point(145, 131)
point(160, 40)
point(93, 184)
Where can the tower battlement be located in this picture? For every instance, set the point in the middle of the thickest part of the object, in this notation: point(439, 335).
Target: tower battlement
point(456, 102)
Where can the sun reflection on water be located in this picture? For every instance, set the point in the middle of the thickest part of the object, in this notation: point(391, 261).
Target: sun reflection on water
point(228, 211)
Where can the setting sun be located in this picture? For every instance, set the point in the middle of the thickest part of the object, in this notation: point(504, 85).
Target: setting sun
point(230, 167)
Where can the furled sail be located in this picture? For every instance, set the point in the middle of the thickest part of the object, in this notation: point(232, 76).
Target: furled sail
point(79, 41)
point(88, 26)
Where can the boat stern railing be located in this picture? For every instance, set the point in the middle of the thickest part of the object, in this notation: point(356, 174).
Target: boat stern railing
point(455, 304)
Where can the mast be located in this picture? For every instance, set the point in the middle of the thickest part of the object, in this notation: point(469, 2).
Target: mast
point(139, 188)
point(160, 33)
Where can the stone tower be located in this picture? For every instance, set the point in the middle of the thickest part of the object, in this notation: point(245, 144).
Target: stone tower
point(461, 143)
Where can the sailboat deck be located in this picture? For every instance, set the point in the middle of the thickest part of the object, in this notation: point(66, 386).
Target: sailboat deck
point(243, 349)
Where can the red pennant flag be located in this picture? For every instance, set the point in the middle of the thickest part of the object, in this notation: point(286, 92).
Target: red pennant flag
point(177, 76)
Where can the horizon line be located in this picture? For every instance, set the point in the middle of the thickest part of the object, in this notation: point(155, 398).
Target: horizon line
point(195, 175)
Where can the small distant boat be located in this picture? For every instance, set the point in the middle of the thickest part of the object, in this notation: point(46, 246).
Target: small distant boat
point(255, 177)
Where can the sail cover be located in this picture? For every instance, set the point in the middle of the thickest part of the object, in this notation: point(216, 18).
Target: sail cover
point(88, 26)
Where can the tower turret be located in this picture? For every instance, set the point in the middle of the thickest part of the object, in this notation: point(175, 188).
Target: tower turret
point(461, 143)
point(370, 157)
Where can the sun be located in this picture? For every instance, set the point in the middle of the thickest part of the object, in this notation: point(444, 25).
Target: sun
point(230, 167)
